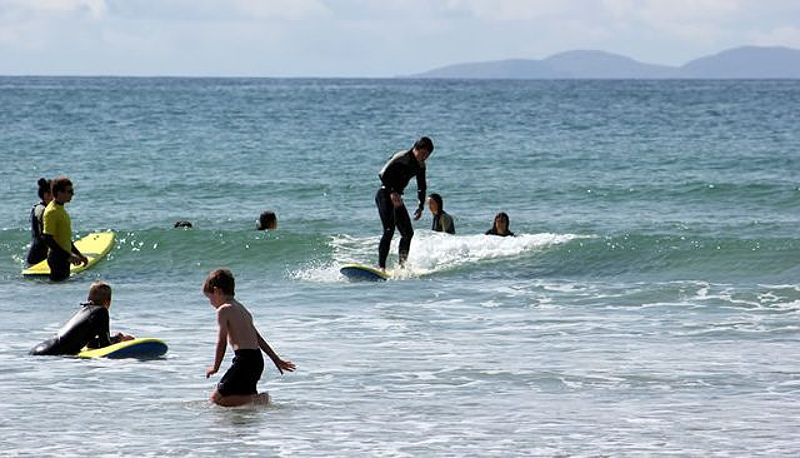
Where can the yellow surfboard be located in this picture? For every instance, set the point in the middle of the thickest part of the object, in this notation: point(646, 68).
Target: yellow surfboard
point(142, 348)
point(94, 246)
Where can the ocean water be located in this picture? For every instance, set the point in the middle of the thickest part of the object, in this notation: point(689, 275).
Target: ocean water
point(648, 306)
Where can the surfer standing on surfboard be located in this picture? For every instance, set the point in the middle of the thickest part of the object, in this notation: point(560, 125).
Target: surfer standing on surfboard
point(394, 176)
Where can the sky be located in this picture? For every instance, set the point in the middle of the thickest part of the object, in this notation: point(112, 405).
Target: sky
point(367, 38)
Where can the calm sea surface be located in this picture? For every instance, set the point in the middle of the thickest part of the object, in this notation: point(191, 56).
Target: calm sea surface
point(650, 304)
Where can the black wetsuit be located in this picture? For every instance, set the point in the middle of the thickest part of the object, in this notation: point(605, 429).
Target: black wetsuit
point(87, 328)
point(38, 251)
point(395, 176)
point(493, 231)
point(443, 222)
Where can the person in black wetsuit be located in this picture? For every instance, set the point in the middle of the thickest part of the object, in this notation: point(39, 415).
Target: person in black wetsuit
point(394, 176)
point(500, 226)
point(87, 328)
point(38, 250)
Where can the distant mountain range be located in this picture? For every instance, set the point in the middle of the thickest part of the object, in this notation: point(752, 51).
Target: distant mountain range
point(746, 62)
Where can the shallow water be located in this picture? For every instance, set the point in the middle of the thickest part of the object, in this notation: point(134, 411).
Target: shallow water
point(649, 305)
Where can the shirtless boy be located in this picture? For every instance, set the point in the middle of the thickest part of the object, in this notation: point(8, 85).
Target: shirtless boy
point(238, 385)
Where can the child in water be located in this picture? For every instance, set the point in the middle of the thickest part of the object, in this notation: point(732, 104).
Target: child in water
point(87, 328)
point(238, 385)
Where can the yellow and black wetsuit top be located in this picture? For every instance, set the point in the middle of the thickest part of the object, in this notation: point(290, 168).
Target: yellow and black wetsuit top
point(58, 225)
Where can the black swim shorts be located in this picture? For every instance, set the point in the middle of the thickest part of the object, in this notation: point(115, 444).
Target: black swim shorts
point(243, 375)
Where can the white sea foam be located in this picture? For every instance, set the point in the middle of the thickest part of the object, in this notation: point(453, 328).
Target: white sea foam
point(436, 252)
point(431, 252)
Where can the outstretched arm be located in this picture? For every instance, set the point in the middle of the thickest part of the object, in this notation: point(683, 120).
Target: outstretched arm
point(282, 365)
point(222, 343)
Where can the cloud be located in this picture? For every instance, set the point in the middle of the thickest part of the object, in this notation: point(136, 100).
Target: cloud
point(95, 9)
point(509, 10)
point(286, 9)
point(37, 25)
point(366, 37)
point(780, 36)
point(217, 10)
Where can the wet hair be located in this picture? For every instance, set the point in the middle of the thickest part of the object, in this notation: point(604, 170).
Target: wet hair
point(221, 279)
point(424, 143)
point(99, 293)
point(44, 187)
point(267, 220)
point(183, 223)
point(60, 184)
point(438, 199)
point(504, 216)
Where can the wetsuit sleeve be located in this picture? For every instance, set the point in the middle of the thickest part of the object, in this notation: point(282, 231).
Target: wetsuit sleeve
point(75, 250)
point(422, 188)
point(53, 245)
point(36, 221)
point(100, 332)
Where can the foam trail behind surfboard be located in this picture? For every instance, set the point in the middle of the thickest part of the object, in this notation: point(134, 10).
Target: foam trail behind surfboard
point(431, 252)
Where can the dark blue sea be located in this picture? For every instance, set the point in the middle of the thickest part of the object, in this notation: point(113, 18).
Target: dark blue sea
point(649, 304)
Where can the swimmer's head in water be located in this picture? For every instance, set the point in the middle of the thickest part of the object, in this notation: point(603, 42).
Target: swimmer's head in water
point(501, 222)
point(267, 220)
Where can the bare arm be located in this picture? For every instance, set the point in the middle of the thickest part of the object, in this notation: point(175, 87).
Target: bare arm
point(282, 365)
point(222, 343)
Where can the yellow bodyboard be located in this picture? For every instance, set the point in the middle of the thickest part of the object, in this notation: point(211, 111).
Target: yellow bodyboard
point(142, 348)
point(94, 246)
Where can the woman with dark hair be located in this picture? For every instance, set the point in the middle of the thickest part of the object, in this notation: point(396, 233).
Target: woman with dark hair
point(500, 226)
point(38, 250)
point(442, 222)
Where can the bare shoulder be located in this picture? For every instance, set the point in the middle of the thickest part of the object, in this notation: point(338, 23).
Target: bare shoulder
point(241, 308)
point(224, 310)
